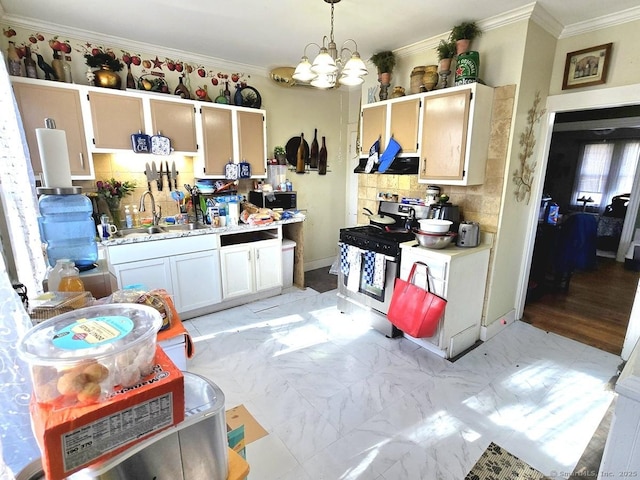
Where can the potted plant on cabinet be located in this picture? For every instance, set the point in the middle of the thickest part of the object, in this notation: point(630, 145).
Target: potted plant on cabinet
point(463, 34)
point(384, 62)
point(445, 50)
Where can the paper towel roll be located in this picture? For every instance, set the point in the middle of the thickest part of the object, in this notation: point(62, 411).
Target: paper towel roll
point(54, 155)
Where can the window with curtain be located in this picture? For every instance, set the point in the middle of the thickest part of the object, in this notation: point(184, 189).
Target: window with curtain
point(605, 169)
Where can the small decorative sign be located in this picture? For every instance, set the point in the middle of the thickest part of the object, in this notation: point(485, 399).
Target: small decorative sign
point(584, 68)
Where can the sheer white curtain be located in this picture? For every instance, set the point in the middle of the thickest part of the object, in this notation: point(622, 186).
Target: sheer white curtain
point(605, 169)
point(17, 193)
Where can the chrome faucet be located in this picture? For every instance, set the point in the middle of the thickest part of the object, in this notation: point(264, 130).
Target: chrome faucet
point(156, 214)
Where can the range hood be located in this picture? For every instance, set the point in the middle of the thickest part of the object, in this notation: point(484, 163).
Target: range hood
point(399, 166)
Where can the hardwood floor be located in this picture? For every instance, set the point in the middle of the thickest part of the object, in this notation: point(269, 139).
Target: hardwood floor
point(595, 309)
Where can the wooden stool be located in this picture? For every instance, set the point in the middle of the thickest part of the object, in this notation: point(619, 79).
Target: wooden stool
point(238, 466)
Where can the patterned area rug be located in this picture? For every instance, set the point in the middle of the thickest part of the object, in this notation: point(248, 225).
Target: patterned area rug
point(498, 464)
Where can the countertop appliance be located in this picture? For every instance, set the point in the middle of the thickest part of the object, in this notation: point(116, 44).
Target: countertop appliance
point(446, 211)
point(468, 234)
point(284, 200)
point(373, 301)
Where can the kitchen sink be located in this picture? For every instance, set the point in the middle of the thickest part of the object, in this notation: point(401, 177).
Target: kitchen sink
point(155, 229)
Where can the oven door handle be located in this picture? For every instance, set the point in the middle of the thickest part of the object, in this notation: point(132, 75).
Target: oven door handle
point(362, 250)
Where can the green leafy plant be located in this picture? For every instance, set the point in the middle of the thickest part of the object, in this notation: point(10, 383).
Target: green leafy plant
point(446, 49)
point(384, 61)
point(99, 59)
point(279, 150)
point(465, 31)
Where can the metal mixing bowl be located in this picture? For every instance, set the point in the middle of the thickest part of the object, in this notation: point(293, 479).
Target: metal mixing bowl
point(435, 241)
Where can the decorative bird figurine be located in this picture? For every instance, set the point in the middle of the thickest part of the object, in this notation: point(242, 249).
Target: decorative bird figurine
point(46, 68)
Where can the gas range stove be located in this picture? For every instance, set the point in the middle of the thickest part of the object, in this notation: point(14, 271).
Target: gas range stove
point(386, 239)
point(379, 240)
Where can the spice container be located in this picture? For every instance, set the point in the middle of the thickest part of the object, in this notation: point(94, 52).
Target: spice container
point(80, 356)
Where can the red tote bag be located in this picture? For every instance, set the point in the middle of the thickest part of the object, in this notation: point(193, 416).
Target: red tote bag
point(414, 310)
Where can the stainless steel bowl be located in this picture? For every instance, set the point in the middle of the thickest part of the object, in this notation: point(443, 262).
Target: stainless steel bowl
point(433, 240)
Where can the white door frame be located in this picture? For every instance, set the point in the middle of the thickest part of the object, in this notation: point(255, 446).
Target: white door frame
point(568, 102)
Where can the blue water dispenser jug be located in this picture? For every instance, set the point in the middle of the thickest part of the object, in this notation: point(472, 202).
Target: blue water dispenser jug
point(67, 227)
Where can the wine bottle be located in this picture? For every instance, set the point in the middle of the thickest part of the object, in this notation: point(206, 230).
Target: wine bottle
point(13, 60)
point(322, 158)
point(300, 160)
point(29, 64)
point(227, 94)
point(181, 89)
point(131, 82)
point(56, 64)
point(313, 159)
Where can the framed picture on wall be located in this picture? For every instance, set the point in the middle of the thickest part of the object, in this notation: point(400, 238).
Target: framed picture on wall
point(587, 67)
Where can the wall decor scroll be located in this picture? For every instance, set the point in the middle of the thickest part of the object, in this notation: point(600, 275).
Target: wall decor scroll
point(523, 175)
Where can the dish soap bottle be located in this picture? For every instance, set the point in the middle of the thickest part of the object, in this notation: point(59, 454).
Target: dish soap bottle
point(70, 281)
point(136, 217)
point(128, 218)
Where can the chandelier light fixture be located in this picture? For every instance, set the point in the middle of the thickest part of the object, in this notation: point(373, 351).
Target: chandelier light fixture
point(328, 65)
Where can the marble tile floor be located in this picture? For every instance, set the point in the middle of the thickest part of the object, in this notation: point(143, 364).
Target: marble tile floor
point(341, 401)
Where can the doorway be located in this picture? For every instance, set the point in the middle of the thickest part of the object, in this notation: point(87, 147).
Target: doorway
point(596, 307)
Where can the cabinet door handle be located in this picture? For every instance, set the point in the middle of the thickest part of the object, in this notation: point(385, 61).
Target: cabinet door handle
point(81, 160)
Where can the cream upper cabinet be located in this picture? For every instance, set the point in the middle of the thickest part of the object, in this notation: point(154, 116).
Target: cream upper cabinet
point(397, 118)
point(455, 129)
point(233, 134)
point(252, 145)
point(114, 118)
point(373, 126)
point(37, 102)
point(217, 141)
point(177, 121)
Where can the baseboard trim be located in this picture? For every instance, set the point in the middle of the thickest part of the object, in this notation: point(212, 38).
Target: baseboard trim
point(324, 262)
point(499, 324)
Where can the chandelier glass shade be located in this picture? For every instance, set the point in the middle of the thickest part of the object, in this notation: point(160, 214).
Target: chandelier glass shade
point(329, 65)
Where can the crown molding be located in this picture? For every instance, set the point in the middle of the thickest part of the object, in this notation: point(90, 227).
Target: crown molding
point(532, 11)
point(129, 45)
point(611, 20)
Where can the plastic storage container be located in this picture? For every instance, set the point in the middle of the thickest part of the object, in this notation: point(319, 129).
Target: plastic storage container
point(67, 227)
point(80, 356)
point(288, 248)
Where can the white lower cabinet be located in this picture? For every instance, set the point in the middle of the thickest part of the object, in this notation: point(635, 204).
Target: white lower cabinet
point(187, 268)
point(197, 282)
point(459, 275)
point(250, 267)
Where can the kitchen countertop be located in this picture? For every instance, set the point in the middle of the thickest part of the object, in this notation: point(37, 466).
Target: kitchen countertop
point(453, 250)
point(207, 230)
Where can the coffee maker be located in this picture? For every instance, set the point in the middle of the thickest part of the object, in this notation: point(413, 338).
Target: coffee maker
point(445, 211)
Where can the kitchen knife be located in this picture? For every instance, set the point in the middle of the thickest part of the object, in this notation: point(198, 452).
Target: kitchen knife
point(147, 172)
point(160, 179)
point(166, 164)
point(174, 175)
point(154, 173)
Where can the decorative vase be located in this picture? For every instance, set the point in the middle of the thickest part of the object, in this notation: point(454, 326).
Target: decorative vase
point(385, 78)
point(281, 158)
point(114, 210)
point(131, 81)
point(430, 77)
point(107, 78)
point(398, 91)
point(444, 65)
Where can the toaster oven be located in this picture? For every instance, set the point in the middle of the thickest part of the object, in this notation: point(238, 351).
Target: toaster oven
point(284, 200)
